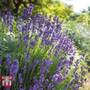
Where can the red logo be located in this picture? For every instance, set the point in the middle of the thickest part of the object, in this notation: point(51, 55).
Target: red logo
point(6, 81)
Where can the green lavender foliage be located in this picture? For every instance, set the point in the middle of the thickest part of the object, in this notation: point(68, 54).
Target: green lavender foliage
point(7, 41)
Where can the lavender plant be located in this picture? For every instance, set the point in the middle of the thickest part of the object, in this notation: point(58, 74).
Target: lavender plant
point(44, 56)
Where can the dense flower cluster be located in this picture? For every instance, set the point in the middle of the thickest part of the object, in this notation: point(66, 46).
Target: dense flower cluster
point(46, 54)
point(48, 31)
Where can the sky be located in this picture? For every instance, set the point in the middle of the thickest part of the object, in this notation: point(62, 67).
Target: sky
point(78, 5)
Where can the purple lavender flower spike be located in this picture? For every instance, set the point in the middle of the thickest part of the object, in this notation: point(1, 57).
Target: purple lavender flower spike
point(50, 86)
point(36, 87)
point(0, 61)
point(44, 68)
point(30, 8)
point(27, 11)
point(8, 19)
point(20, 78)
point(57, 78)
point(21, 89)
point(25, 38)
point(27, 56)
point(48, 62)
point(8, 59)
point(14, 68)
point(42, 78)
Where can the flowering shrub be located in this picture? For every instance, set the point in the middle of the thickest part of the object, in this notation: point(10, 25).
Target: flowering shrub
point(45, 55)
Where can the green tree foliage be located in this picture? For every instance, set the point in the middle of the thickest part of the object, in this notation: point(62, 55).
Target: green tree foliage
point(53, 8)
point(45, 7)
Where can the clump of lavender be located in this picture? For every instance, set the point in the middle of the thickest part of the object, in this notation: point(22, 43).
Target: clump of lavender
point(78, 75)
point(8, 19)
point(45, 54)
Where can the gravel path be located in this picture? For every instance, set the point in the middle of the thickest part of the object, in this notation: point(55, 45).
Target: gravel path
point(86, 84)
